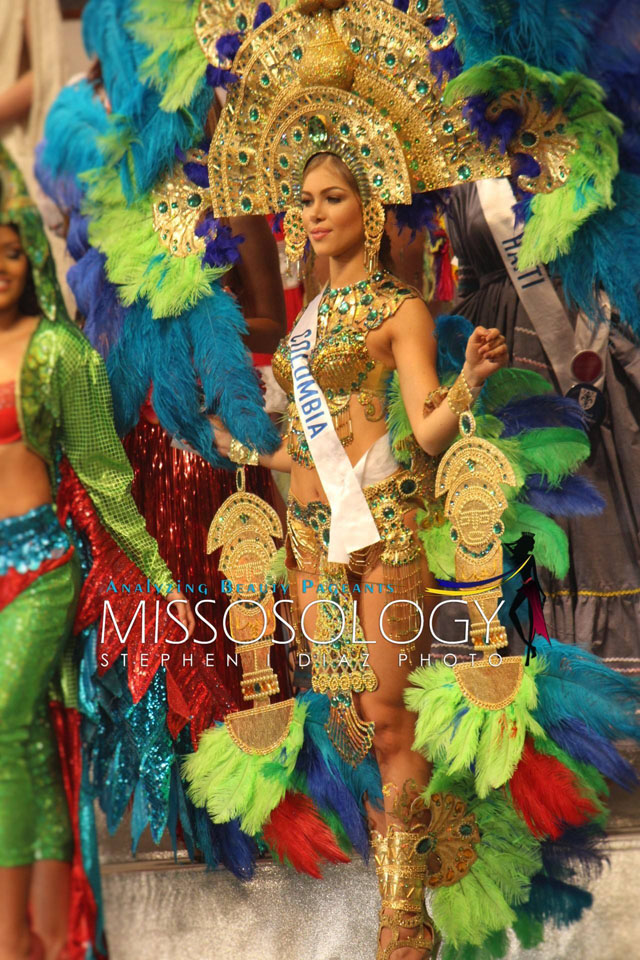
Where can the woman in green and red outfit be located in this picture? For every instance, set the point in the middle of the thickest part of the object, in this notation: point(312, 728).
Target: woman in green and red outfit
point(57, 443)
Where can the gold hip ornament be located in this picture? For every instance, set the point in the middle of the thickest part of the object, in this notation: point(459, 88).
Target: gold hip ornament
point(471, 475)
point(244, 526)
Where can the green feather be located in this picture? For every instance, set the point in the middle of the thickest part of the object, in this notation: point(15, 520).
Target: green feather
point(438, 546)
point(136, 259)
point(398, 421)
point(592, 167)
point(554, 452)
point(507, 384)
point(480, 904)
point(453, 731)
point(177, 63)
point(277, 572)
point(529, 932)
point(551, 545)
point(231, 783)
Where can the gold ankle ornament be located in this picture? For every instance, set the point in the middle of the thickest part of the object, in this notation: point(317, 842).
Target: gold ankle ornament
point(434, 847)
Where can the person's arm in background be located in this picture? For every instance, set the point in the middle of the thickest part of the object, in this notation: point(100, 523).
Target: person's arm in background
point(257, 284)
point(16, 100)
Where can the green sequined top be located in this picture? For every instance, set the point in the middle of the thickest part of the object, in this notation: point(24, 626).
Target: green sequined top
point(65, 402)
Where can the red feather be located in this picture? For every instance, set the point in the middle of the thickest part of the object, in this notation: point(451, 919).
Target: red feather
point(296, 832)
point(547, 794)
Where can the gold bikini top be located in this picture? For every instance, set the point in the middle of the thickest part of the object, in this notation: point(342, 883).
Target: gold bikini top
point(340, 362)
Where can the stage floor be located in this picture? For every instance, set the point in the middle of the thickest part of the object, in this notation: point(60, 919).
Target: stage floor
point(157, 909)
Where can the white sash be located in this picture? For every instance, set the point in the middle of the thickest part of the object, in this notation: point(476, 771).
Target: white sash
point(352, 523)
point(536, 291)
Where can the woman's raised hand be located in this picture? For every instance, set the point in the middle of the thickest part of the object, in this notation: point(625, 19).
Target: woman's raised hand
point(486, 353)
point(221, 435)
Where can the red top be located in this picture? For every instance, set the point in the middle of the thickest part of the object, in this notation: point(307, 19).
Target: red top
point(9, 426)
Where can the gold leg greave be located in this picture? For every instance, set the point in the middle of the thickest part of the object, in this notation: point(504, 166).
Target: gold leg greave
point(401, 866)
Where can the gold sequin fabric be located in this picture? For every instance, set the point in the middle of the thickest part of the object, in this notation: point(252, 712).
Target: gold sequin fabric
point(340, 362)
point(65, 406)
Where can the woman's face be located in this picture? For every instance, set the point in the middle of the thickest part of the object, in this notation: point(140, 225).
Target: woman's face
point(331, 211)
point(14, 268)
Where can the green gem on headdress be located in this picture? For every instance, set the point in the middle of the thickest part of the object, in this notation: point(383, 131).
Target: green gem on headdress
point(317, 131)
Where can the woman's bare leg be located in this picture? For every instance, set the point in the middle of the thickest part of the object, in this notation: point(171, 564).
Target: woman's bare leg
point(49, 899)
point(15, 938)
point(400, 765)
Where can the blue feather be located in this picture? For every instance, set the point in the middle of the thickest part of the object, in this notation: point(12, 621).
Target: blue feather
point(229, 383)
point(561, 903)
point(580, 850)
point(586, 745)
point(422, 212)
point(550, 410)
point(75, 121)
point(175, 394)
point(363, 780)
point(130, 366)
point(328, 791)
point(97, 300)
point(200, 352)
point(595, 262)
point(143, 133)
point(452, 333)
point(547, 34)
point(577, 684)
point(575, 496)
point(238, 851)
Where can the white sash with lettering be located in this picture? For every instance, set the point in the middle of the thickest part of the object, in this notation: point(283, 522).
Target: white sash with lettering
point(536, 291)
point(352, 523)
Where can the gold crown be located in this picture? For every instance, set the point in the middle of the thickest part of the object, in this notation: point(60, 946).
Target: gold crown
point(353, 81)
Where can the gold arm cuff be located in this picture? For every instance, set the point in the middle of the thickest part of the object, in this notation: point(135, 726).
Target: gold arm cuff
point(433, 400)
point(459, 396)
point(239, 453)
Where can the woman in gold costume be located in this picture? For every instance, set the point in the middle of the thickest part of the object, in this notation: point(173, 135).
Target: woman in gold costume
point(370, 324)
point(334, 111)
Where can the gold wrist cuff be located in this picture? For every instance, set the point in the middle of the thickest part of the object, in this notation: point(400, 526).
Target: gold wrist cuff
point(239, 453)
point(433, 400)
point(459, 396)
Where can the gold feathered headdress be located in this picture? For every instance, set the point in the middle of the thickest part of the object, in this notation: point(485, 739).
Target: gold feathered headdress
point(354, 81)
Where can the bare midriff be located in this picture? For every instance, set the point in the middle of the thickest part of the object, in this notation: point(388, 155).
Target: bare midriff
point(305, 482)
point(24, 478)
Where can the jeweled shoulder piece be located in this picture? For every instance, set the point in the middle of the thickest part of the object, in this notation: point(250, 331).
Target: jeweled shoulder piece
point(178, 206)
point(244, 526)
point(471, 474)
point(216, 18)
point(354, 81)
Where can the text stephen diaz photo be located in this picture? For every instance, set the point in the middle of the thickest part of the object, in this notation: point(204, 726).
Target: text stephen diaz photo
point(152, 611)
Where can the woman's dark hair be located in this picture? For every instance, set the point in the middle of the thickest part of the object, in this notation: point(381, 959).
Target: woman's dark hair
point(28, 303)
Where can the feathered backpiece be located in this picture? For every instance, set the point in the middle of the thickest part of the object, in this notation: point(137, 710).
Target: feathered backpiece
point(539, 733)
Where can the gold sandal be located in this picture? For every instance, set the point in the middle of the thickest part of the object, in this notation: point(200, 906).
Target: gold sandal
point(401, 866)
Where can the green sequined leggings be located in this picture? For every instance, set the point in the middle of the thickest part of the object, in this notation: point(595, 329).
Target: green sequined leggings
point(34, 628)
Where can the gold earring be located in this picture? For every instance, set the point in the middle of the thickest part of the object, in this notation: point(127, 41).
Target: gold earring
point(374, 218)
point(295, 236)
